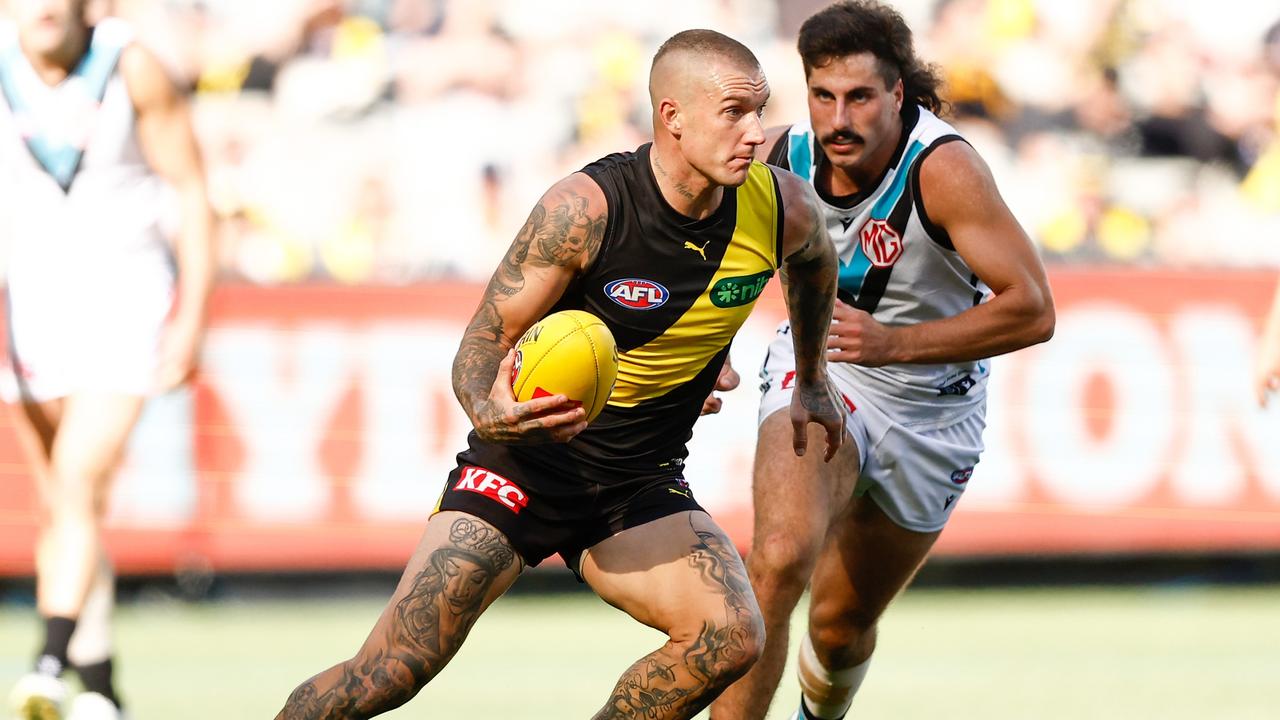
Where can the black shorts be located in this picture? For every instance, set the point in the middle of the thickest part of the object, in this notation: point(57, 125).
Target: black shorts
point(546, 508)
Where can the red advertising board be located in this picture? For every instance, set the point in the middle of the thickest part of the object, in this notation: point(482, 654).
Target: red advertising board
point(323, 425)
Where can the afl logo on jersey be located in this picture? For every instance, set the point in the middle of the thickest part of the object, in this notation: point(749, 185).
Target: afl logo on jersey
point(880, 243)
point(637, 294)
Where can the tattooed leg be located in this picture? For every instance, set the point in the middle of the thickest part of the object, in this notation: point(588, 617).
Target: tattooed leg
point(681, 575)
point(461, 566)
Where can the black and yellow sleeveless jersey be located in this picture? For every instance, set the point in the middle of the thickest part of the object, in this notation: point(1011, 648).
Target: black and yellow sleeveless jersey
point(673, 291)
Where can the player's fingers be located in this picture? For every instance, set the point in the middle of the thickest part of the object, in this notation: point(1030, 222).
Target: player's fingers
point(799, 436)
point(844, 335)
point(728, 380)
point(502, 381)
point(711, 405)
point(568, 433)
point(562, 430)
point(567, 412)
point(538, 407)
point(835, 438)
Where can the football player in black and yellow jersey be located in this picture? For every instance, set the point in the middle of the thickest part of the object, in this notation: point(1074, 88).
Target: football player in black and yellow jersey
point(670, 245)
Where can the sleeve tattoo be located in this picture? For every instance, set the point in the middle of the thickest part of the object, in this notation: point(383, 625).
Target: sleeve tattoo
point(559, 233)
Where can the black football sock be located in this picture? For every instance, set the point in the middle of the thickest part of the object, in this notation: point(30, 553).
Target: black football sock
point(804, 712)
point(57, 636)
point(98, 678)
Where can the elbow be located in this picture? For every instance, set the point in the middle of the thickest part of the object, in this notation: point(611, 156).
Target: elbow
point(1043, 320)
point(1042, 328)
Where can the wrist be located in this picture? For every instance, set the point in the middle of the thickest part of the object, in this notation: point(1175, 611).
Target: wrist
point(897, 347)
point(814, 375)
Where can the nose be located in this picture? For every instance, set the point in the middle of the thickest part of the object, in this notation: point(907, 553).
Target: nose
point(841, 119)
point(755, 131)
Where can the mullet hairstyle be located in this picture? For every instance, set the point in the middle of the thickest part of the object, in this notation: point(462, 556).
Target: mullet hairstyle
point(852, 27)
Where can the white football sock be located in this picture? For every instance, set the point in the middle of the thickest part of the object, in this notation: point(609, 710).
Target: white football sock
point(827, 694)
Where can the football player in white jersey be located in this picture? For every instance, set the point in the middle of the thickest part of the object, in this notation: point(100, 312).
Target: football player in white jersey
point(91, 128)
point(936, 276)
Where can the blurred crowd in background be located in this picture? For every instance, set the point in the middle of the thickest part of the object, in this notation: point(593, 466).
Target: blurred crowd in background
point(391, 141)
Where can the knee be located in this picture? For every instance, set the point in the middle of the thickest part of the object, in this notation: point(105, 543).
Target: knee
point(74, 498)
point(753, 635)
point(383, 682)
point(723, 652)
point(782, 560)
point(842, 638)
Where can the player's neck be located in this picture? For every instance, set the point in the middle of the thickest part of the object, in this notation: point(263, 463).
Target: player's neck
point(53, 66)
point(686, 190)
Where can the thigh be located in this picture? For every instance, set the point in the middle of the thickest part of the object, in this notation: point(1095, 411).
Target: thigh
point(461, 565)
point(671, 570)
point(866, 561)
point(91, 437)
point(798, 497)
point(35, 425)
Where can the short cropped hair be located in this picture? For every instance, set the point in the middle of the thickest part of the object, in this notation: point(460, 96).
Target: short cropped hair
point(708, 42)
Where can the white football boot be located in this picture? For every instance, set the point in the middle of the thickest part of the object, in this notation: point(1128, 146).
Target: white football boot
point(93, 706)
point(38, 696)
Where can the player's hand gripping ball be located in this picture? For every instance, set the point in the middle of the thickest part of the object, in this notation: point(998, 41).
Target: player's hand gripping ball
point(570, 353)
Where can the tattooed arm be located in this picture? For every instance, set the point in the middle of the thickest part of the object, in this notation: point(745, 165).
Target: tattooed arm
point(809, 272)
point(558, 241)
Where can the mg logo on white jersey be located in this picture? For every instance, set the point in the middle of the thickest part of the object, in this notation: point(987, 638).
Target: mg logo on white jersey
point(880, 243)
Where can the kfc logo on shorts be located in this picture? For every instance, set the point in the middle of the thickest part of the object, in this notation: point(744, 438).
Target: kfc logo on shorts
point(515, 367)
point(493, 486)
point(880, 243)
point(962, 475)
point(637, 293)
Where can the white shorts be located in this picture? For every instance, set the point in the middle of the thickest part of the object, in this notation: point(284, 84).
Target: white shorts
point(916, 476)
point(90, 341)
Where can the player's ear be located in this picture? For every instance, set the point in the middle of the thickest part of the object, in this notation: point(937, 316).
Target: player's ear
point(898, 93)
point(670, 113)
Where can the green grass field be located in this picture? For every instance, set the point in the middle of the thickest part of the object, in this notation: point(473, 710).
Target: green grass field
point(1186, 652)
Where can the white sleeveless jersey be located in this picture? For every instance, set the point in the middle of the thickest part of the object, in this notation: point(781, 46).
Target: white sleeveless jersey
point(900, 267)
point(72, 154)
point(86, 254)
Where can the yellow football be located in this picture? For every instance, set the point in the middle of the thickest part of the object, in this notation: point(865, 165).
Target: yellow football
point(570, 353)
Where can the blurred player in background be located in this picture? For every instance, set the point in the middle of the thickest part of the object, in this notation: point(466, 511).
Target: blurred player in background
point(670, 246)
point(89, 125)
point(1267, 363)
point(935, 276)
